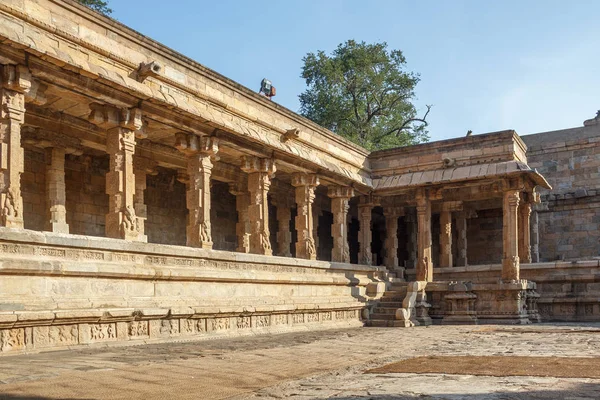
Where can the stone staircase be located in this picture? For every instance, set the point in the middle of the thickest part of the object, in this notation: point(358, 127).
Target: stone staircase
point(384, 313)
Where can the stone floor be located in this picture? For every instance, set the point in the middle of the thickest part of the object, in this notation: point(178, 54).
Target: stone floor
point(310, 365)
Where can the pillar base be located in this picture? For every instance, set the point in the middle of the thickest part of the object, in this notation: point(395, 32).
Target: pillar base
point(59, 227)
point(15, 223)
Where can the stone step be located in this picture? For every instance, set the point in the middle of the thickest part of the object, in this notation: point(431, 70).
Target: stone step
point(384, 310)
point(390, 304)
point(385, 323)
point(382, 316)
point(392, 299)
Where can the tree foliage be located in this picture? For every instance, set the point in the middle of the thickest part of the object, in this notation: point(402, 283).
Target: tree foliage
point(363, 93)
point(97, 5)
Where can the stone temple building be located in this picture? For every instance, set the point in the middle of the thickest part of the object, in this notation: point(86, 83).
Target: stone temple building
point(144, 197)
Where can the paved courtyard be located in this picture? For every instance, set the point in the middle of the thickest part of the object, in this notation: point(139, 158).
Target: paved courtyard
point(309, 365)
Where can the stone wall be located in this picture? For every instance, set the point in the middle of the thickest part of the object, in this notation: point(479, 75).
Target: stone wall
point(484, 237)
point(58, 291)
point(569, 215)
point(167, 210)
point(33, 186)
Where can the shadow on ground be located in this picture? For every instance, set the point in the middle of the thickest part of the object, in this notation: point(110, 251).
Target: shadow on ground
point(581, 391)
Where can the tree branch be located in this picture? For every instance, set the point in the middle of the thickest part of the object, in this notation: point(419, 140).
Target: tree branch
point(405, 125)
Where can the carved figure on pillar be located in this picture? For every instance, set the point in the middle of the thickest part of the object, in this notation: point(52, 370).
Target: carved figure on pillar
point(242, 227)
point(15, 82)
point(305, 185)
point(201, 152)
point(259, 172)
point(142, 168)
point(122, 125)
point(510, 233)
point(340, 196)
point(424, 263)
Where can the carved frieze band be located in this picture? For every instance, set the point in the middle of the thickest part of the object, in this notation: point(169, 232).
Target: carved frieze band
point(57, 336)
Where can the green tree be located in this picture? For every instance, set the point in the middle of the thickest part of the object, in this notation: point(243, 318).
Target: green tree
point(363, 93)
point(97, 5)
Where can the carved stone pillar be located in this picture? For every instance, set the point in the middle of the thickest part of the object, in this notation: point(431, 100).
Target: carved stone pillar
point(56, 190)
point(446, 239)
point(284, 217)
point(535, 237)
point(524, 228)
point(200, 152)
point(15, 81)
point(316, 212)
point(340, 196)
point(510, 234)
point(391, 238)
point(461, 243)
point(242, 227)
point(259, 172)
point(424, 262)
point(56, 146)
point(411, 244)
point(142, 167)
point(121, 126)
point(365, 234)
point(305, 185)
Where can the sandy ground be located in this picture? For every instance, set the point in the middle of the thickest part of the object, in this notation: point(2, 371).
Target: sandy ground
point(310, 365)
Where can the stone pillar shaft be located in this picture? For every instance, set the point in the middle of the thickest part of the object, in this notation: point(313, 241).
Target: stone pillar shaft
point(411, 244)
point(365, 235)
point(305, 185)
point(284, 235)
point(461, 243)
point(14, 82)
point(259, 181)
point(242, 226)
point(391, 238)
point(510, 233)
point(525, 229)
point(340, 196)
point(446, 239)
point(142, 168)
point(535, 237)
point(121, 221)
point(424, 262)
point(55, 190)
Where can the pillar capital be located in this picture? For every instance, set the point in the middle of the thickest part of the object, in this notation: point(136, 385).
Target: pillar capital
point(110, 117)
point(304, 179)
point(337, 191)
point(16, 78)
point(393, 211)
point(252, 164)
point(369, 201)
point(144, 164)
point(191, 144)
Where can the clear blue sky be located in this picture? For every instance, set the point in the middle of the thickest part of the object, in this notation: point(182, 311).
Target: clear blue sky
point(485, 65)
